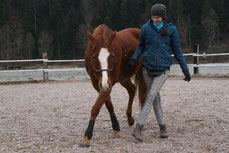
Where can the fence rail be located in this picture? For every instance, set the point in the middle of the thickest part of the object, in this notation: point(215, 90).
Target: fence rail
point(204, 54)
point(82, 60)
point(40, 60)
point(45, 62)
point(22, 61)
point(212, 65)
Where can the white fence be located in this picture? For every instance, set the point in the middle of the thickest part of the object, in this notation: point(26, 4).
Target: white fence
point(46, 71)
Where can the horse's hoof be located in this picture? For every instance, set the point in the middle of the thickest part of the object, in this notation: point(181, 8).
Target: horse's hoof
point(85, 143)
point(116, 134)
point(164, 135)
point(131, 123)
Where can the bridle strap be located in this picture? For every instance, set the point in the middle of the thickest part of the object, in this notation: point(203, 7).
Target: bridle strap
point(96, 70)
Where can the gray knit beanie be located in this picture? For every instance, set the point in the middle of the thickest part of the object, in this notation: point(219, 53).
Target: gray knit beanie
point(158, 10)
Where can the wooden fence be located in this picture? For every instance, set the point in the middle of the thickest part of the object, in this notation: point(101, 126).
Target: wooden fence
point(45, 62)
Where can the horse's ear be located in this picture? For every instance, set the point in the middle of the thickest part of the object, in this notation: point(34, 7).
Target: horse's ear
point(112, 36)
point(90, 37)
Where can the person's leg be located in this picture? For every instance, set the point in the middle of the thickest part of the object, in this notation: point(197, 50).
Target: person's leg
point(148, 80)
point(159, 116)
point(156, 104)
point(156, 86)
point(154, 89)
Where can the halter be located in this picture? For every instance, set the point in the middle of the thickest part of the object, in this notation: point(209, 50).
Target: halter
point(101, 70)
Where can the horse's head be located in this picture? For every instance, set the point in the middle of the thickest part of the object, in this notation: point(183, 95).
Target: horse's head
point(103, 59)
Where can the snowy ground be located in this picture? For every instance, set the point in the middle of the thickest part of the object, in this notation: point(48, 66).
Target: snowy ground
point(81, 74)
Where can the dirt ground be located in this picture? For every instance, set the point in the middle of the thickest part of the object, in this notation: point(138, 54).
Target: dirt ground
point(52, 117)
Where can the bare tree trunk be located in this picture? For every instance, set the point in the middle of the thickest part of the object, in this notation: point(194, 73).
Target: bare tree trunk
point(35, 29)
point(59, 51)
point(7, 45)
point(209, 44)
point(190, 41)
point(35, 19)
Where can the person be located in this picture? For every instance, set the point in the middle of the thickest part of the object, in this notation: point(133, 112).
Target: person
point(157, 39)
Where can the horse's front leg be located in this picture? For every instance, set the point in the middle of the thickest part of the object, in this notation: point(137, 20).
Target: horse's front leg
point(94, 113)
point(115, 123)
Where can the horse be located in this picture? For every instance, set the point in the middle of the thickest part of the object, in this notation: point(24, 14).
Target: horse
point(106, 56)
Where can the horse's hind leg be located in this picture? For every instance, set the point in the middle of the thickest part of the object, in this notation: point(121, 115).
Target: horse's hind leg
point(131, 91)
point(115, 124)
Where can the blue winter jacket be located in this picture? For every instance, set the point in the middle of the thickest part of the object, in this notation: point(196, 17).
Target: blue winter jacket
point(156, 49)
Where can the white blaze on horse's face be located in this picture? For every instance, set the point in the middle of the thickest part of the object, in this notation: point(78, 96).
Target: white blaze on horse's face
point(103, 59)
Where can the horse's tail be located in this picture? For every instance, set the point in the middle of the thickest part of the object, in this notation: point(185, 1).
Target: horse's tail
point(140, 85)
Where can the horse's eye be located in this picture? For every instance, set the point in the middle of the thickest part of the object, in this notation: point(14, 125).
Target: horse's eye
point(93, 58)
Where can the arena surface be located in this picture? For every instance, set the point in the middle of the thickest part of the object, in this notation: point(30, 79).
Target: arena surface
point(52, 117)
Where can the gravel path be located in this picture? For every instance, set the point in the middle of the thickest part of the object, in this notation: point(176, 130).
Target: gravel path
point(52, 117)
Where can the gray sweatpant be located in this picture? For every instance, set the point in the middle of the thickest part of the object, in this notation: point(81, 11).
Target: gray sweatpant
point(154, 85)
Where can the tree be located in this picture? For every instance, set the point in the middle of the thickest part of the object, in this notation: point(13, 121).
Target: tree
point(56, 26)
point(176, 15)
point(211, 28)
point(130, 13)
point(30, 27)
point(224, 19)
point(175, 12)
point(4, 11)
point(44, 43)
point(210, 23)
point(103, 14)
point(7, 41)
point(115, 16)
point(81, 42)
point(27, 46)
point(72, 25)
point(193, 9)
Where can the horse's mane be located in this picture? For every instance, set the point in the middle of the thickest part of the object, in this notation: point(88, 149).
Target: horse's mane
point(102, 30)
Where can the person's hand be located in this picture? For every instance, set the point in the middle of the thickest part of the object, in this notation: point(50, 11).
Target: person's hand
point(187, 76)
point(130, 64)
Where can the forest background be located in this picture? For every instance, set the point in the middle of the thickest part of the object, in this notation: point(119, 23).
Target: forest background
point(29, 28)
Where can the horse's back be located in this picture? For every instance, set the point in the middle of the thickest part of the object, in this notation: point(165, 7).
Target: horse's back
point(130, 33)
point(129, 39)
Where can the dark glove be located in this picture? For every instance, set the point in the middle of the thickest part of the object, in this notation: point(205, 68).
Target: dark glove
point(130, 64)
point(187, 76)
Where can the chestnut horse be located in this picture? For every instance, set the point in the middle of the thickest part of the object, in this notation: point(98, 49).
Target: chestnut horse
point(105, 60)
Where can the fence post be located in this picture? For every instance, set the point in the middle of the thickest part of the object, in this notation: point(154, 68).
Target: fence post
point(196, 58)
point(45, 66)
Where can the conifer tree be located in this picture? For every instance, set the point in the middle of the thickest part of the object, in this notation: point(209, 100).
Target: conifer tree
point(130, 13)
point(103, 14)
point(4, 11)
point(210, 23)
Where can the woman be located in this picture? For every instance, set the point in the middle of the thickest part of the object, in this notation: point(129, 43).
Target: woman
point(158, 38)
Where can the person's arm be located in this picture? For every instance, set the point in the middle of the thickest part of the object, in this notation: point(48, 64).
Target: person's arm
point(138, 52)
point(141, 46)
point(176, 49)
